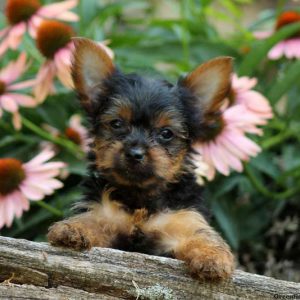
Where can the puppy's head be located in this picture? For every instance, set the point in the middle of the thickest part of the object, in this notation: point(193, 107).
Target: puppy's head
point(143, 128)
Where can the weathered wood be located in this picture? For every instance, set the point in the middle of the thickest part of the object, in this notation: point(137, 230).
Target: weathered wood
point(15, 291)
point(119, 275)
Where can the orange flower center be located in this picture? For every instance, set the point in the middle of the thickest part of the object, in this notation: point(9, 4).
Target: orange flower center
point(20, 10)
point(287, 18)
point(73, 135)
point(213, 126)
point(52, 36)
point(11, 175)
point(2, 87)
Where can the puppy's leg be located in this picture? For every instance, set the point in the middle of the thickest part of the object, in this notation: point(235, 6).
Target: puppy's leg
point(188, 237)
point(97, 227)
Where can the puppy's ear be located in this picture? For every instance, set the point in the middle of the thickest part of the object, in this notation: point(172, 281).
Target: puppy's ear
point(210, 84)
point(91, 65)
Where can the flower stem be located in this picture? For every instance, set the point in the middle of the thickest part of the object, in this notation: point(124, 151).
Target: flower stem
point(68, 145)
point(275, 140)
point(294, 172)
point(263, 190)
point(48, 207)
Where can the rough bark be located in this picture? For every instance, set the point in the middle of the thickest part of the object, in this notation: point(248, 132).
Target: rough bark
point(30, 270)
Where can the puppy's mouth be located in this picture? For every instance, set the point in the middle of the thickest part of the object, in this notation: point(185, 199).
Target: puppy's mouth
point(133, 172)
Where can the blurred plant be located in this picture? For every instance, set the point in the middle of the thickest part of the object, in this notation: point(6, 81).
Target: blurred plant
point(27, 14)
point(75, 132)
point(20, 182)
point(245, 204)
point(289, 47)
point(9, 98)
point(225, 145)
point(53, 40)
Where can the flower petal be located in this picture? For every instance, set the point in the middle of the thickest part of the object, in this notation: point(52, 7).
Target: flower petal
point(33, 25)
point(21, 85)
point(31, 193)
point(277, 51)
point(43, 174)
point(8, 103)
point(46, 166)
point(40, 158)
point(68, 16)
point(53, 11)
point(291, 49)
point(63, 64)
point(4, 31)
point(23, 100)
point(4, 46)
point(14, 69)
point(262, 34)
point(15, 35)
point(243, 83)
point(218, 158)
point(44, 81)
point(17, 120)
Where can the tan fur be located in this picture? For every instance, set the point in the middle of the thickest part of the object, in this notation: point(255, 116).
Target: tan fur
point(105, 153)
point(125, 113)
point(184, 233)
point(188, 236)
point(122, 110)
point(211, 82)
point(173, 120)
point(91, 64)
point(165, 167)
point(163, 120)
point(96, 228)
point(121, 180)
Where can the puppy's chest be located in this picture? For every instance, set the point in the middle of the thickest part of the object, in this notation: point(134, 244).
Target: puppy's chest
point(132, 201)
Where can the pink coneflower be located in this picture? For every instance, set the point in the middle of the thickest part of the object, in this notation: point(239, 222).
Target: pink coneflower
point(21, 182)
point(10, 100)
point(225, 144)
point(255, 103)
point(289, 47)
point(28, 14)
point(75, 132)
point(201, 169)
point(54, 42)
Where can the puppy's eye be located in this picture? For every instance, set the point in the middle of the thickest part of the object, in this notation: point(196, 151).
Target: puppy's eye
point(116, 124)
point(166, 134)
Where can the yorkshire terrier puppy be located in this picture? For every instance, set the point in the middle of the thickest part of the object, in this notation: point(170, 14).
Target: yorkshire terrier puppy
point(141, 192)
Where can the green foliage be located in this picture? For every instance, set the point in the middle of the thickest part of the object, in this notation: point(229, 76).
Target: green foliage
point(144, 40)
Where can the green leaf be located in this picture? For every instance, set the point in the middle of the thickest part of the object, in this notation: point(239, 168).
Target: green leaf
point(264, 162)
point(290, 157)
point(261, 48)
point(231, 8)
point(88, 10)
point(228, 185)
point(226, 222)
point(283, 84)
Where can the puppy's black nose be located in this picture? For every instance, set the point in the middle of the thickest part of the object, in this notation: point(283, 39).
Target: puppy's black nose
point(136, 153)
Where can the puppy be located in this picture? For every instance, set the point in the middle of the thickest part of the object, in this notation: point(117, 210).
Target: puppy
point(141, 193)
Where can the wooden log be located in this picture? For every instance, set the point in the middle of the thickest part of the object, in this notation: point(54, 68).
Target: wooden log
point(24, 291)
point(43, 271)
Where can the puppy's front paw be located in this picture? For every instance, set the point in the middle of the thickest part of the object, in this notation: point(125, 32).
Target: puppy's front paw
point(69, 235)
point(208, 262)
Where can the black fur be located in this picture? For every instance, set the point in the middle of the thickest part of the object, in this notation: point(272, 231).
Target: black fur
point(147, 98)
